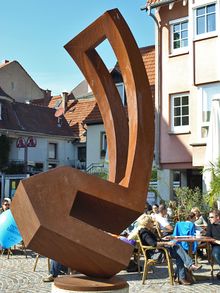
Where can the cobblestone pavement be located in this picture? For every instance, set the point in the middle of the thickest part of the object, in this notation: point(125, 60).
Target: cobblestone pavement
point(16, 276)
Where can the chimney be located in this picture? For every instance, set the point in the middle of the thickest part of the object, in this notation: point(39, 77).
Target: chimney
point(5, 61)
point(48, 93)
point(47, 97)
point(64, 96)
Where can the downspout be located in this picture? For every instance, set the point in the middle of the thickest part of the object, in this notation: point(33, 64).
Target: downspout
point(158, 98)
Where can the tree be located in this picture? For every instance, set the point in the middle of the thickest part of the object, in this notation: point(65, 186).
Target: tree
point(214, 192)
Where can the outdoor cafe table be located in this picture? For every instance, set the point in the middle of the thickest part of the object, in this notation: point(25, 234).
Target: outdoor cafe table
point(191, 240)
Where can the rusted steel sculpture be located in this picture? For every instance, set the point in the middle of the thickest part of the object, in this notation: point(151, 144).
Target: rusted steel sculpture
point(65, 214)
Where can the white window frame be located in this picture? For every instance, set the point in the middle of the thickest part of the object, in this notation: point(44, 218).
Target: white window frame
point(179, 128)
point(180, 50)
point(56, 150)
point(205, 34)
point(0, 111)
point(204, 91)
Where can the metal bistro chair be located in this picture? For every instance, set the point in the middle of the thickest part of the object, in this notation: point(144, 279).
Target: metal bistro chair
point(9, 252)
point(36, 261)
point(149, 262)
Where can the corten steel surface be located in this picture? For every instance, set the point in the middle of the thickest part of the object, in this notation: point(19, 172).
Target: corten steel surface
point(82, 283)
point(63, 213)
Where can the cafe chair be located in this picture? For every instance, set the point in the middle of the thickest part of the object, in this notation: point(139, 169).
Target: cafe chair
point(211, 260)
point(158, 230)
point(22, 247)
point(36, 261)
point(150, 262)
point(9, 252)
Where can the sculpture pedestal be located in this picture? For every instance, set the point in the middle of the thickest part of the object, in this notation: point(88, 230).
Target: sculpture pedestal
point(84, 284)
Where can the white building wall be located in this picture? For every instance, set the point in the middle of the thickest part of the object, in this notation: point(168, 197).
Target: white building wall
point(93, 148)
point(17, 83)
point(65, 152)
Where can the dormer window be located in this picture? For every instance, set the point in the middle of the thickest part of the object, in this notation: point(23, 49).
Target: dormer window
point(57, 104)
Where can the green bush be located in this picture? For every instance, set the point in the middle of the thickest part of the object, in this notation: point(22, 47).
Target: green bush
point(188, 198)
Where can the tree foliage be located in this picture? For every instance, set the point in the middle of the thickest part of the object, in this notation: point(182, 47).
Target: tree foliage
point(188, 198)
point(214, 192)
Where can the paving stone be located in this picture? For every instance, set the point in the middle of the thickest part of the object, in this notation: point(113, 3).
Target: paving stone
point(17, 276)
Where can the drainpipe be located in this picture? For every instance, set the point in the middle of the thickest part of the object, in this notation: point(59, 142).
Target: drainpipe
point(159, 90)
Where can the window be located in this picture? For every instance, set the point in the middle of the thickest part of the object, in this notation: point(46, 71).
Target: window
point(103, 145)
point(179, 35)
point(121, 90)
point(208, 93)
point(82, 154)
point(0, 111)
point(205, 19)
point(57, 104)
point(52, 151)
point(180, 113)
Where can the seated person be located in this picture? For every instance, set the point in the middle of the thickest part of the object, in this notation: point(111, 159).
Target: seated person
point(186, 228)
point(138, 225)
point(183, 260)
point(5, 205)
point(55, 269)
point(199, 220)
point(213, 230)
point(155, 210)
point(161, 218)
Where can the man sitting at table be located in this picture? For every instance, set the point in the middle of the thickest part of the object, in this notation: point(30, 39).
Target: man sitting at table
point(213, 231)
point(161, 218)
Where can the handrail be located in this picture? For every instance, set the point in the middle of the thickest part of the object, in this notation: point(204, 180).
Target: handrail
point(92, 165)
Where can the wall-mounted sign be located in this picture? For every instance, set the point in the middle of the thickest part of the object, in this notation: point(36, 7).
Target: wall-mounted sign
point(21, 143)
point(31, 142)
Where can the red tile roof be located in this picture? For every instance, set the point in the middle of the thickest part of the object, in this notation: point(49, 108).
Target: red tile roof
point(148, 55)
point(76, 113)
point(155, 2)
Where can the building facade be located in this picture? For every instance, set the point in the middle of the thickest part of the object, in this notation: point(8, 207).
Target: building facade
point(187, 79)
point(38, 141)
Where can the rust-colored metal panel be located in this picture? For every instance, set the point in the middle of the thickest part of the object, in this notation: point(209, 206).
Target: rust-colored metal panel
point(70, 212)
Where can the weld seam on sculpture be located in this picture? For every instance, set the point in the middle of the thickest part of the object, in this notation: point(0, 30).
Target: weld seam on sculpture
point(69, 210)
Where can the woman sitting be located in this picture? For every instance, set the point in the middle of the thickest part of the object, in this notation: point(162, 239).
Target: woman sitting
point(148, 238)
point(199, 220)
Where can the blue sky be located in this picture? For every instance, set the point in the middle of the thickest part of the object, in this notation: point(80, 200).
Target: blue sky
point(33, 32)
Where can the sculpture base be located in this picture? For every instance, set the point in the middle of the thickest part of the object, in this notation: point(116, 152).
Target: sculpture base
point(84, 284)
